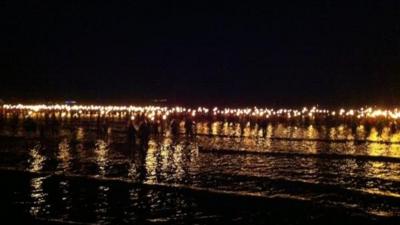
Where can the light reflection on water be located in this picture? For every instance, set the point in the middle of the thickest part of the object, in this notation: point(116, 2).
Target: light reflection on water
point(64, 156)
point(101, 156)
point(102, 204)
point(177, 161)
point(38, 197)
point(36, 159)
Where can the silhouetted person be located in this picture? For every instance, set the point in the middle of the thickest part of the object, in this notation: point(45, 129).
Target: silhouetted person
point(209, 127)
point(144, 133)
point(174, 128)
point(99, 125)
point(140, 161)
point(154, 128)
point(263, 127)
point(54, 125)
point(42, 130)
point(104, 128)
point(380, 126)
point(368, 128)
point(131, 134)
point(393, 128)
point(242, 126)
point(189, 127)
point(140, 177)
point(30, 125)
point(14, 123)
point(46, 122)
point(354, 128)
point(1, 120)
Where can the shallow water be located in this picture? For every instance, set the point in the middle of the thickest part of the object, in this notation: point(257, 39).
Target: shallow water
point(82, 176)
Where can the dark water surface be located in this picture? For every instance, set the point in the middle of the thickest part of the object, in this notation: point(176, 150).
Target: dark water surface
point(292, 176)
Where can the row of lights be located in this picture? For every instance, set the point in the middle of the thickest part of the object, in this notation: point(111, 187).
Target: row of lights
point(164, 112)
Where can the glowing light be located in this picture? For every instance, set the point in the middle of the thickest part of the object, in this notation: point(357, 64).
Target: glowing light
point(153, 112)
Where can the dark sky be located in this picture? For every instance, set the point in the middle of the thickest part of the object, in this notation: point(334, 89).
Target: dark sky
point(275, 53)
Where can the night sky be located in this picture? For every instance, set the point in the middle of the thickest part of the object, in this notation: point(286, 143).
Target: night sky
point(276, 53)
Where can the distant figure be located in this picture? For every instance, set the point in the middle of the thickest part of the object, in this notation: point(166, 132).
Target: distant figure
point(354, 128)
point(209, 127)
point(30, 125)
point(71, 126)
point(54, 125)
point(155, 127)
point(131, 134)
point(393, 128)
point(104, 127)
point(263, 127)
point(380, 126)
point(14, 122)
point(242, 126)
point(98, 125)
point(42, 130)
point(368, 128)
point(46, 120)
point(144, 133)
point(1, 120)
point(140, 164)
point(189, 127)
point(162, 126)
point(174, 128)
